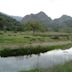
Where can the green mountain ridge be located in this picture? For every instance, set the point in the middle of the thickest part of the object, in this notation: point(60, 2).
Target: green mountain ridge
point(62, 24)
point(7, 22)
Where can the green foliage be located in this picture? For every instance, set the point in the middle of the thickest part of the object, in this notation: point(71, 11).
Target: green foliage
point(26, 38)
point(7, 23)
point(39, 22)
point(34, 26)
point(29, 50)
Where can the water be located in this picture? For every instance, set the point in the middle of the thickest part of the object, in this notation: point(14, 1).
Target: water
point(44, 60)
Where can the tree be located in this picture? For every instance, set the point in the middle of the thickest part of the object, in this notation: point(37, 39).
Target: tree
point(34, 26)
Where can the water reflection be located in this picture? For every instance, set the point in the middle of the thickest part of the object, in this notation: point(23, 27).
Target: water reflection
point(44, 60)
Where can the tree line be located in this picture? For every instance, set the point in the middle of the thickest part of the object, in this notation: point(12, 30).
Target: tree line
point(9, 24)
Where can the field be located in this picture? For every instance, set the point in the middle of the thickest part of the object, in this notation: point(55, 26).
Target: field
point(24, 39)
point(28, 37)
point(25, 43)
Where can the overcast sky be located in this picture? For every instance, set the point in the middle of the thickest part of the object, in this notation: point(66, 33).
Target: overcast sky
point(53, 8)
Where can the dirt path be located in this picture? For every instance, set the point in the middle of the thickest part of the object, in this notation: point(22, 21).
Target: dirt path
point(51, 43)
point(2, 45)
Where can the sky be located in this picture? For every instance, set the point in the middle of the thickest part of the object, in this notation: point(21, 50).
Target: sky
point(53, 8)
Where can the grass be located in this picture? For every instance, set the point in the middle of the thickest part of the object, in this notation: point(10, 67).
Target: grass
point(24, 43)
point(5, 52)
point(26, 38)
point(66, 67)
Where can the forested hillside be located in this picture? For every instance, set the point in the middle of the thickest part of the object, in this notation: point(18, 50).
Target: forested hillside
point(62, 24)
point(8, 23)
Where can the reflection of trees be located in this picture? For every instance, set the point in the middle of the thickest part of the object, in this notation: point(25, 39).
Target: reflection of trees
point(36, 66)
point(28, 56)
point(19, 58)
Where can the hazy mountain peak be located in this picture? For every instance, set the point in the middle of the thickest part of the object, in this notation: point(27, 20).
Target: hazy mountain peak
point(65, 17)
point(41, 17)
point(41, 12)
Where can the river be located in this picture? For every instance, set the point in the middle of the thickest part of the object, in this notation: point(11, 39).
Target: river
point(44, 60)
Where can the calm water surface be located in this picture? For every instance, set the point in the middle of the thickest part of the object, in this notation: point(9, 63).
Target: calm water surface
point(44, 60)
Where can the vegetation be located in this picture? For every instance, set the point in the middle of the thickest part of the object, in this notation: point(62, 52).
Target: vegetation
point(38, 22)
point(28, 37)
point(35, 34)
point(33, 26)
point(4, 52)
point(7, 23)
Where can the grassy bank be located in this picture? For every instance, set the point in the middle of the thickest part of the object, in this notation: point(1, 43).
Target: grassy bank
point(25, 43)
point(4, 52)
point(27, 38)
point(67, 67)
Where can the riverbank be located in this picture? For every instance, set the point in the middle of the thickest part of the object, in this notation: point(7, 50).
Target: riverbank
point(29, 50)
point(20, 43)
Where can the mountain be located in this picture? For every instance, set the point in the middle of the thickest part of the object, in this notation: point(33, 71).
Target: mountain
point(7, 22)
point(40, 17)
point(64, 23)
point(18, 18)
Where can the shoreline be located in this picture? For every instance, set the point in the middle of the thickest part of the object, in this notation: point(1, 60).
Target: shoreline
point(21, 51)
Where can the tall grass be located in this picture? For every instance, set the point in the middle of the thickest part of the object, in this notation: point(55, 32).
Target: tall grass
point(10, 37)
